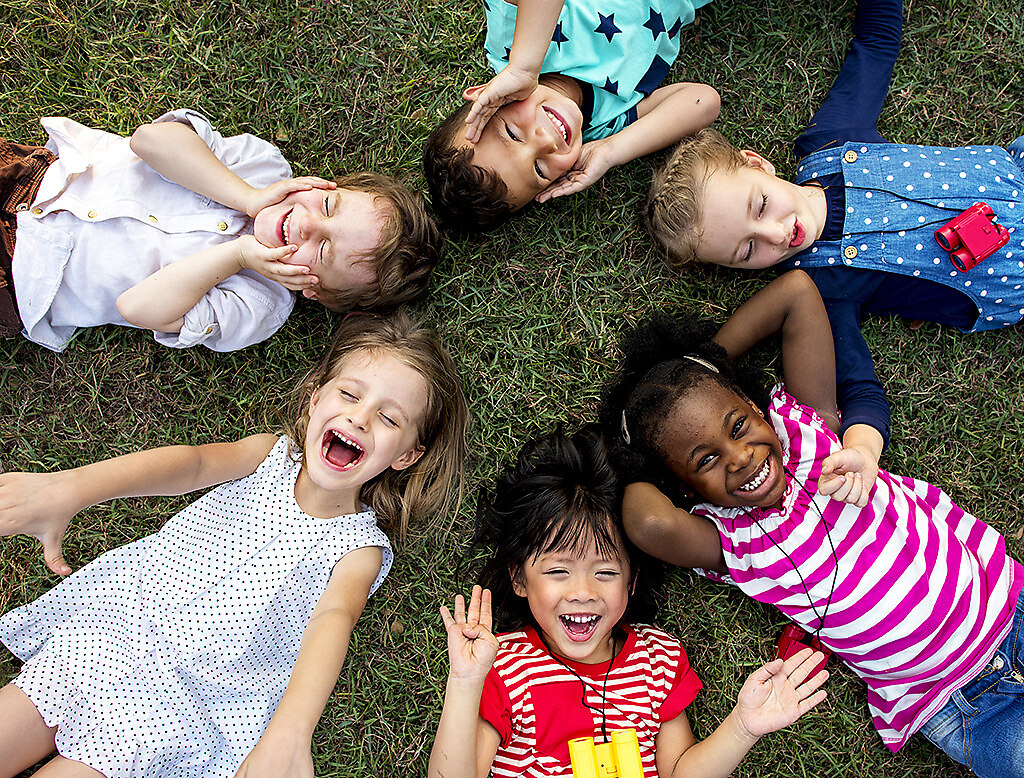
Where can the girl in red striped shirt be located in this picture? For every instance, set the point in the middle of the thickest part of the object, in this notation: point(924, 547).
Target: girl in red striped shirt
point(580, 662)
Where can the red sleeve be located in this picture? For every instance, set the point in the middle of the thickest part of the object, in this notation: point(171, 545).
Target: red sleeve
point(496, 707)
point(684, 690)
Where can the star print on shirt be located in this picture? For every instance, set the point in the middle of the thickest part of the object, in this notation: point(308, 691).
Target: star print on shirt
point(558, 37)
point(655, 24)
point(674, 29)
point(607, 26)
point(611, 86)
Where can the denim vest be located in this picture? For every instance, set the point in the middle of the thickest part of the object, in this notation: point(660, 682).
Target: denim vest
point(898, 195)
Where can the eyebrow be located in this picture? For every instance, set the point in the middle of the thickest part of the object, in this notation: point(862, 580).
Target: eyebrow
point(389, 403)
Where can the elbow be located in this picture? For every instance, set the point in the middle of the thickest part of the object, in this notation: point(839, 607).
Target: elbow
point(144, 139)
point(137, 312)
point(707, 104)
point(648, 531)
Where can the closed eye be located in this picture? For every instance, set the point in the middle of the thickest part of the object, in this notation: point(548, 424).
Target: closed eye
point(347, 395)
point(536, 168)
point(764, 203)
point(327, 205)
point(388, 420)
point(511, 134)
point(750, 245)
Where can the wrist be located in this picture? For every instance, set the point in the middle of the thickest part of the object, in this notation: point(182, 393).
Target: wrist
point(736, 727)
point(471, 684)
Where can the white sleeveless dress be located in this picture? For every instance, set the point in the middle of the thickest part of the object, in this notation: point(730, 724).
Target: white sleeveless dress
point(168, 656)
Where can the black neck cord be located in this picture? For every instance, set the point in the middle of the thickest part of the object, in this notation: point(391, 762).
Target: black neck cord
point(604, 689)
point(835, 573)
point(896, 195)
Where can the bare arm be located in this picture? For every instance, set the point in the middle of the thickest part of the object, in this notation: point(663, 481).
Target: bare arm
point(669, 533)
point(773, 697)
point(160, 301)
point(669, 114)
point(535, 23)
point(43, 504)
point(465, 744)
point(791, 305)
point(285, 747)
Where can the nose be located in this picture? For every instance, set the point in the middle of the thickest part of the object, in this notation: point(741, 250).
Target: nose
point(545, 137)
point(309, 223)
point(582, 590)
point(358, 416)
point(774, 233)
point(740, 457)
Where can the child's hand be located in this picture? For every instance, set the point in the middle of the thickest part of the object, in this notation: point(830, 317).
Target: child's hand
point(272, 263)
point(472, 646)
point(279, 190)
point(39, 505)
point(594, 161)
point(277, 755)
point(509, 85)
point(780, 692)
point(849, 475)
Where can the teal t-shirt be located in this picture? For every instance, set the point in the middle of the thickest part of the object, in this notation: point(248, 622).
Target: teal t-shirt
point(620, 50)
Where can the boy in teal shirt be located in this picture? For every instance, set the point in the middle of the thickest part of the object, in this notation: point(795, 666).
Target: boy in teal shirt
point(576, 93)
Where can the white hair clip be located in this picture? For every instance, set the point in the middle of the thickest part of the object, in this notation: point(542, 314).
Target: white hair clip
point(700, 361)
point(625, 431)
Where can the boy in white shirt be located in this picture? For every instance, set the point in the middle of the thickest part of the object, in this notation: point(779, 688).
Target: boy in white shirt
point(198, 237)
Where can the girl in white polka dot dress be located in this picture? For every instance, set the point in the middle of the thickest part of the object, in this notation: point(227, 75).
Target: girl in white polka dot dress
point(211, 647)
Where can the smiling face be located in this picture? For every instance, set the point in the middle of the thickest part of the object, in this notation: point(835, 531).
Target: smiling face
point(577, 601)
point(530, 143)
point(336, 230)
point(753, 219)
point(722, 448)
point(365, 419)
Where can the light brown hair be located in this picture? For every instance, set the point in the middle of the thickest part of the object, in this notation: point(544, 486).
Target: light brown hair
point(674, 210)
point(410, 245)
point(433, 485)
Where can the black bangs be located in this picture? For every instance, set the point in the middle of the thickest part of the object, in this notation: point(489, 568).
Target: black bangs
point(577, 532)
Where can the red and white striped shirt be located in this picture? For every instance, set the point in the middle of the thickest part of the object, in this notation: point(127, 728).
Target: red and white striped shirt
point(923, 592)
point(536, 702)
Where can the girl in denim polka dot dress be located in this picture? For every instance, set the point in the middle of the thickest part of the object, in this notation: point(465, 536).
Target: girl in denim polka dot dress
point(210, 648)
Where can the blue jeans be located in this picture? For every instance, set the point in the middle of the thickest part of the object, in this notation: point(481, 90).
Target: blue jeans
point(982, 725)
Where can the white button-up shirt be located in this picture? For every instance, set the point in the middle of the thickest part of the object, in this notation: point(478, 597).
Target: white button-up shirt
point(103, 220)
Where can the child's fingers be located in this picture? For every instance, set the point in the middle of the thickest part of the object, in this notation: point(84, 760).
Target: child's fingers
point(485, 610)
point(473, 616)
point(764, 673)
point(53, 555)
point(812, 701)
point(813, 683)
point(460, 609)
point(446, 617)
point(799, 666)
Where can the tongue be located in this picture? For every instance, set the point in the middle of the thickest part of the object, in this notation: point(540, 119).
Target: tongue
point(339, 453)
point(578, 627)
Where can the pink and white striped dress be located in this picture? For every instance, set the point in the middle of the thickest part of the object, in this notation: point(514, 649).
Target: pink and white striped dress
point(924, 592)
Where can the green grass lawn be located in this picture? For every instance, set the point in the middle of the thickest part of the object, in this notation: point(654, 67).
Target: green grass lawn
point(531, 313)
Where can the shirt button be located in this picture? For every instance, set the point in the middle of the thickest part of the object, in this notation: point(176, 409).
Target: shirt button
point(92, 214)
point(209, 330)
point(222, 226)
point(22, 207)
point(850, 156)
point(153, 219)
point(37, 211)
point(850, 252)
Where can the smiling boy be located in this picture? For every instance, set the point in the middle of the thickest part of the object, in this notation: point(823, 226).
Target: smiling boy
point(576, 93)
point(860, 217)
point(198, 237)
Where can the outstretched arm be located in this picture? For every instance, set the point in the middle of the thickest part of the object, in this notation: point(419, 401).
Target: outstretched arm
point(43, 504)
point(657, 527)
point(284, 749)
point(669, 114)
point(465, 744)
point(773, 697)
point(791, 305)
point(535, 23)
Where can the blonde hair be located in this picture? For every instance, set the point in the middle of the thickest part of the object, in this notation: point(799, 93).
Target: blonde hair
point(674, 210)
point(433, 485)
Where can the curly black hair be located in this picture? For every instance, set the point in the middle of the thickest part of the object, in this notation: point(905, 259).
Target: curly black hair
point(465, 197)
point(663, 360)
point(561, 494)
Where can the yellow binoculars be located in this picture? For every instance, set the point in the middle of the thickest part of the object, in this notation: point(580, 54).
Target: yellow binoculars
point(619, 758)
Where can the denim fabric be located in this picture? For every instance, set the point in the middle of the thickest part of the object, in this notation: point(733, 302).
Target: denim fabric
point(982, 726)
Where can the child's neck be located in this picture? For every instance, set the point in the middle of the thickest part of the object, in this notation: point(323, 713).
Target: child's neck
point(819, 206)
point(567, 85)
point(322, 503)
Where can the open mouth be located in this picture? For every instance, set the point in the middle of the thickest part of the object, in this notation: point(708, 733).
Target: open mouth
point(579, 626)
point(759, 477)
point(559, 124)
point(339, 451)
point(283, 230)
point(797, 238)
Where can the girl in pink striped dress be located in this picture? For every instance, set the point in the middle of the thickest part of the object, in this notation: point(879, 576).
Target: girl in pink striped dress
point(577, 663)
point(917, 596)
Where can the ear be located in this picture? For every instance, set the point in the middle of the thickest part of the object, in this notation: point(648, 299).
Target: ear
point(756, 160)
point(757, 410)
point(409, 458)
point(310, 294)
point(313, 400)
point(517, 582)
point(473, 92)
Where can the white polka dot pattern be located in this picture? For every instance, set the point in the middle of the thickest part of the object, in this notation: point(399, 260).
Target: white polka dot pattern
point(897, 196)
point(167, 656)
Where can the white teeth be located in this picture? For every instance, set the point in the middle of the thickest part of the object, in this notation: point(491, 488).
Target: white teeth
point(758, 479)
point(579, 619)
point(558, 125)
point(285, 226)
point(345, 439)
